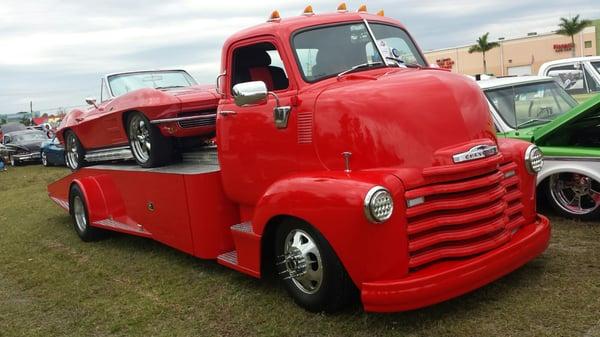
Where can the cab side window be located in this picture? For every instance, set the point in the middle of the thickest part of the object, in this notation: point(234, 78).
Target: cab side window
point(259, 62)
point(572, 78)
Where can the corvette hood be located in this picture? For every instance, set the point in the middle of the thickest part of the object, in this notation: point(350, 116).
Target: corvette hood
point(196, 97)
point(587, 109)
point(410, 118)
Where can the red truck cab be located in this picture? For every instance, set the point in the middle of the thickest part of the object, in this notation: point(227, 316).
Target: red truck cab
point(345, 163)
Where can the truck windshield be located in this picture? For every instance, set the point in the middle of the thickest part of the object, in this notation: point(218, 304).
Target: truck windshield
point(324, 52)
point(530, 104)
point(123, 83)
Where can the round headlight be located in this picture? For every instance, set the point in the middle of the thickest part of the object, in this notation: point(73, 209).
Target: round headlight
point(378, 204)
point(534, 159)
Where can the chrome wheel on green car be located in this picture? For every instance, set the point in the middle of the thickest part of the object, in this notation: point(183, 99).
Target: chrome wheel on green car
point(574, 195)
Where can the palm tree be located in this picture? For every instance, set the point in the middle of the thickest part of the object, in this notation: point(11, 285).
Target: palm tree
point(571, 27)
point(483, 46)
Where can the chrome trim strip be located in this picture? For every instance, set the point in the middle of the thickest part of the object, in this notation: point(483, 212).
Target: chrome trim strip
point(558, 158)
point(179, 119)
point(476, 152)
point(61, 203)
point(122, 152)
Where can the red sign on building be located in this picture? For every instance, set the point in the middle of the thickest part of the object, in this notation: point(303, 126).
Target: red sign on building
point(560, 47)
point(446, 63)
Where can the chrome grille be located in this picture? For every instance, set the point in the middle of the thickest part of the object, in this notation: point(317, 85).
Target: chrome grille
point(466, 212)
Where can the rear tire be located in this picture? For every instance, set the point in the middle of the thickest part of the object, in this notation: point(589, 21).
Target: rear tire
point(80, 216)
point(148, 146)
point(325, 284)
point(74, 151)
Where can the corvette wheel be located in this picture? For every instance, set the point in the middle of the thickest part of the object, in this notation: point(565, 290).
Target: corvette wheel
point(44, 159)
point(310, 270)
point(74, 152)
point(574, 195)
point(149, 147)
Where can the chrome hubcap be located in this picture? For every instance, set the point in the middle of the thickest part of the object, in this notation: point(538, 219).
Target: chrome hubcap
point(79, 212)
point(72, 152)
point(575, 193)
point(139, 137)
point(44, 159)
point(302, 261)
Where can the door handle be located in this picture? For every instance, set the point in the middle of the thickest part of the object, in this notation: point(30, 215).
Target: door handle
point(227, 113)
point(79, 119)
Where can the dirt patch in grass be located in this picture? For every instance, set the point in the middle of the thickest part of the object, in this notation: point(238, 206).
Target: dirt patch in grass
point(52, 284)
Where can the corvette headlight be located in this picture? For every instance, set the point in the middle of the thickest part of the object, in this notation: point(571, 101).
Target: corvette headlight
point(378, 205)
point(534, 159)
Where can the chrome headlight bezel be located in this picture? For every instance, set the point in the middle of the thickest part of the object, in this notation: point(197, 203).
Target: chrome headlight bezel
point(534, 159)
point(378, 205)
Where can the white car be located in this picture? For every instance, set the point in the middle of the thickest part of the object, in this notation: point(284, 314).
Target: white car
point(538, 110)
point(578, 75)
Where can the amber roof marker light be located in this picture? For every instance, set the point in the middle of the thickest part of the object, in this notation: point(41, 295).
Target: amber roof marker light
point(342, 8)
point(275, 17)
point(381, 13)
point(308, 11)
point(362, 9)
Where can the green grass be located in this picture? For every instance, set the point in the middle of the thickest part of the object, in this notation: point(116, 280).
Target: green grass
point(52, 284)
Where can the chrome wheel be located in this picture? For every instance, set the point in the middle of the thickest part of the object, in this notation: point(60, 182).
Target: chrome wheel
point(44, 159)
point(574, 193)
point(79, 213)
point(302, 260)
point(139, 137)
point(72, 151)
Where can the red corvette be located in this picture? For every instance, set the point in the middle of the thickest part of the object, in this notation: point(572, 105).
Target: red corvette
point(144, 115)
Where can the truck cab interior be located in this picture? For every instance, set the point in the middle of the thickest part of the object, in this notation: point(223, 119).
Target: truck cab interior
point(259, 62)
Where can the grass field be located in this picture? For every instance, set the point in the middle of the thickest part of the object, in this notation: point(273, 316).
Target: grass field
point(52, 284)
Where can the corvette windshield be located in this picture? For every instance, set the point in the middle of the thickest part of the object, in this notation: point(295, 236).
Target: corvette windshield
point(530, 104)
point(328, 51)
point(123, 83)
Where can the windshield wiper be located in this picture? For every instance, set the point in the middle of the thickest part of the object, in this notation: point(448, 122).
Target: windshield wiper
point(170, 87)
point(533, 120)
point(359, 66)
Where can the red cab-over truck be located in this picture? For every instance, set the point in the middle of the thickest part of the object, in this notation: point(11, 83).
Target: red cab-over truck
point(344, 163)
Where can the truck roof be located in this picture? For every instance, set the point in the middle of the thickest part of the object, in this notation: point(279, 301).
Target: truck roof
point(510, 81)
point(286, 26)
point(572, 59)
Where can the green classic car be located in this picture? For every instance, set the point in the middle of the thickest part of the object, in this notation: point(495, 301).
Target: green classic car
point(538, 110)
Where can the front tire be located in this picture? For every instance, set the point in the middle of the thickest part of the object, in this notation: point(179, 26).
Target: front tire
point(310, 271)
point(80, 216)
point(44, 159)
point(74, 151)
point(149, 147)
point(573, 195)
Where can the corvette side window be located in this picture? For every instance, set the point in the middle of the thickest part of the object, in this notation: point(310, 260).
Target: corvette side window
point(259, 62)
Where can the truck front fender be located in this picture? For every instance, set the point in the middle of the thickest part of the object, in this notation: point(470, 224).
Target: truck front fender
point(332, 203)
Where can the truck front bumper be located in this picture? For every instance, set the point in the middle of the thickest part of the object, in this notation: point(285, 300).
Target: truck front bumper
point(451, 279)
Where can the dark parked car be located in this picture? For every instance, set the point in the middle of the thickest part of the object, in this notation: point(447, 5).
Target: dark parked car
point(10, 127)
point(22, 146)
point(53, 153)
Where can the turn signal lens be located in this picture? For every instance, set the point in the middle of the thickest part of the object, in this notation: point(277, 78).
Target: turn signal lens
point(534, 159)
point(274, 16)
point(342, 8)
point(308, 11)
point(362, 8)
point(378, 204)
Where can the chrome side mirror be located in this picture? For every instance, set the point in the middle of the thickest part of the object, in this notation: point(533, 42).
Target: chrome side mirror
point(250, 93)
point(91, 101)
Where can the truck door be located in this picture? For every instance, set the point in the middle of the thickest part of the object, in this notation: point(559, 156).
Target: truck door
point(253, 152)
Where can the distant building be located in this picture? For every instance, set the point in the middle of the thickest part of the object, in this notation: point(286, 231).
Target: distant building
point(519, 56)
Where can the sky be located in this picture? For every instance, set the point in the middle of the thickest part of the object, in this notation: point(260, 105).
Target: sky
point(53, 52)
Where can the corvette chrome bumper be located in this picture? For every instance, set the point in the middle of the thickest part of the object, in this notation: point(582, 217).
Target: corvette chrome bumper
point(28, 156)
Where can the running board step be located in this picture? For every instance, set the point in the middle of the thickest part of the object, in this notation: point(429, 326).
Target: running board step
point(246, 257)
point(123, 152)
